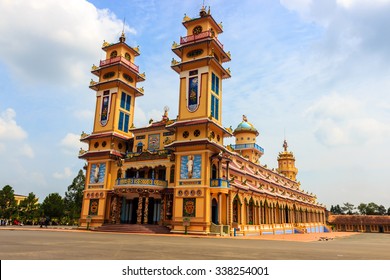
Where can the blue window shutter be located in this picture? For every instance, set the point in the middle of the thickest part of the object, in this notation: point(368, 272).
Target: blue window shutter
point(126, 127)
point(212, 81)
point(123, 100)
point(216, 85)
point(120, 123)
point(216, 108)
point(128, 101)
point(212, 105)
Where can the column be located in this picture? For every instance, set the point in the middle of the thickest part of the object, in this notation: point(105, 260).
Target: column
point(155, 212)
point(242, 212)
point(158, 212)
point(146, 210)
point(227, 210)
point(220, 208)
point(139, 210)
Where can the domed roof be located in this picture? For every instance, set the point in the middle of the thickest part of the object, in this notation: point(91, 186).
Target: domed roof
point(245, 126)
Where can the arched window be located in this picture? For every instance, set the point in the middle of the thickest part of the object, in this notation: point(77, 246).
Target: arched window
point(214, 172)
point(114, 54)
point(127, 56)
point(139, 147)
point(235, 210)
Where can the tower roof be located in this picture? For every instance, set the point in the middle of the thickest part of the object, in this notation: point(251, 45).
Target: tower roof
point(245, 126)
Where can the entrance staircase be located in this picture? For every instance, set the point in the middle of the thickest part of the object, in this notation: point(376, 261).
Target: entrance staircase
point(133, 228)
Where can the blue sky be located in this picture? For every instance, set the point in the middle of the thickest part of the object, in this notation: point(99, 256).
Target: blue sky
point(313, 71)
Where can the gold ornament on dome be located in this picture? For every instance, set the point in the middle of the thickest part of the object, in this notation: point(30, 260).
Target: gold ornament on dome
point(174, 61)
point(92, 82)
point(174, 45)
point(137, 49)
point(186, 18)
point(141, 89)
point(105, 44)
point(94, 67)
point(83, 134)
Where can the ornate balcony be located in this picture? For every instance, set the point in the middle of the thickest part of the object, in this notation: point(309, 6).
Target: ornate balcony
point(198, 37)
point(139, 182)
point(219, 183)
point(247, 146)
point(121, 60)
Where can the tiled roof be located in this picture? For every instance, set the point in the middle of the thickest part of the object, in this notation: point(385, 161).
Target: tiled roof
point(359, 219)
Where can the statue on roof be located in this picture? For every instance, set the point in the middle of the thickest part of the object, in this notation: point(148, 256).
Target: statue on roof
point(244, 118)
point(285, 146)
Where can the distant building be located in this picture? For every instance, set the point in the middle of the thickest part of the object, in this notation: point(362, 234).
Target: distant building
point(360, 223)
point(178, 171)
point(19, 198)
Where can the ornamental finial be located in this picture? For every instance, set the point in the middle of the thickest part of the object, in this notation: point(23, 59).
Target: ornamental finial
point(244, 118)
point(285, 146)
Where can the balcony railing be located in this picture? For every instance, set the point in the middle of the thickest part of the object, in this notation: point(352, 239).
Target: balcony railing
point(219, 183)
point(119, 59)
point(141, 182)
point(247, 146)
point(200, 36)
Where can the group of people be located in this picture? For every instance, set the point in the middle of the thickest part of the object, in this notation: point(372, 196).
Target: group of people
point(44, 221)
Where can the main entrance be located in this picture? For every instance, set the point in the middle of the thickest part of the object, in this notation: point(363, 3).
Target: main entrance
point(140, 210)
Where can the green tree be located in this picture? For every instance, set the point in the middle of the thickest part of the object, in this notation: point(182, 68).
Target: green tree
point(53, 206)
point(74, 197)
point(372, 208)
point(29, 208)
point(362, 207)
point(348, 208)
point(381, 210)
point(336, 210)
point(7, 202)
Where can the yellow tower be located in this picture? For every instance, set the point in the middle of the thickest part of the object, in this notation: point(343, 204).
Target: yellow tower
point(245, 135)
point(198, 144)
point(286, 162)
point(116, 90)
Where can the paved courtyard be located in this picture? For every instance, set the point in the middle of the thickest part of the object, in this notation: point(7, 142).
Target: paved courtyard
point(44, 244)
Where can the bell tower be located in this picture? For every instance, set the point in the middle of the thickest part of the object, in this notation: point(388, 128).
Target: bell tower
point(116, 91)
point(198, 144)
point(286, 163)
point(245, 135)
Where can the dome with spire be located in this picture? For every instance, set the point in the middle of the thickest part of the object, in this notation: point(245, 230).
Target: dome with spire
point(245, 126)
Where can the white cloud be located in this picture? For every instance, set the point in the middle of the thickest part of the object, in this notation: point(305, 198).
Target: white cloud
point(12, 136)
point(9, 129)
point(353, 3)
point(71, 143)
point(342, 120)
point(66, 173)
point(61, 36)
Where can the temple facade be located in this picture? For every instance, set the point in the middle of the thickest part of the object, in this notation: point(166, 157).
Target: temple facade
point(178, 172)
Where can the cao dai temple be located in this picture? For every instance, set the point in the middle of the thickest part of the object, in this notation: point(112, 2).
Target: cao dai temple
point(178, 173)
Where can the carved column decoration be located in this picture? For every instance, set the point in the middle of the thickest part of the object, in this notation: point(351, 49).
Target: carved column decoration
point(139, 210)
point(146, 210)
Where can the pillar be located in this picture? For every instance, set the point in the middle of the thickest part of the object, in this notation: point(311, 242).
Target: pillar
point(146, 210)
point(139, 210)
point(220, 208)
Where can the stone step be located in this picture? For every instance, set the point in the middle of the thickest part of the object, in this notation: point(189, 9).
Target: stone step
point(133, 228)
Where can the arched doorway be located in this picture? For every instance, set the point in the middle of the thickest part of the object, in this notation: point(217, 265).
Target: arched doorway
point(214, 172)
point(236, 212)
point(214, 211)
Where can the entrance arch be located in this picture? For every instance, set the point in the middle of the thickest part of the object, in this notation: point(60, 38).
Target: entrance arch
point(214, 211)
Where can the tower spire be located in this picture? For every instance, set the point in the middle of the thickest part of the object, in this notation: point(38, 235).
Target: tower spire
point(122, 38)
